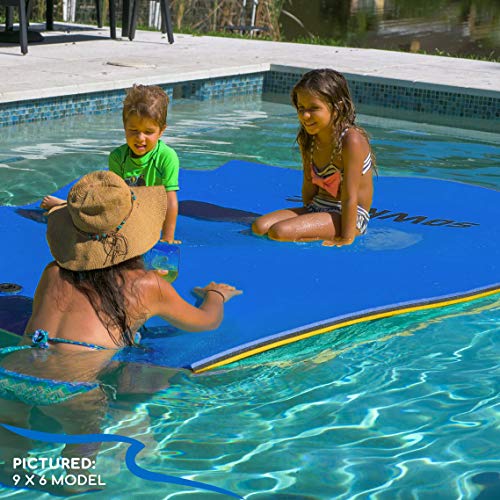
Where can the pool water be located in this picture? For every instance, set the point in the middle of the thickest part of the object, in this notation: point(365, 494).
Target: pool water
point(37, 158)
point(404, 407)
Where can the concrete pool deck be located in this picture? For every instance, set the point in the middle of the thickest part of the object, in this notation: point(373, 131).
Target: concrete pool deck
point(76, 59)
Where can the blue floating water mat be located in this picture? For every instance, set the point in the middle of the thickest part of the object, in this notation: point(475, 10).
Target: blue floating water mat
point(430, 243)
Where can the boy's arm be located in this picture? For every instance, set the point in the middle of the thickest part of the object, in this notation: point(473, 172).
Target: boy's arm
point(168, 230)
point(170, 179)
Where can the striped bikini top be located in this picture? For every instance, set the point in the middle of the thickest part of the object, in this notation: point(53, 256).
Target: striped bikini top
point(330, 177)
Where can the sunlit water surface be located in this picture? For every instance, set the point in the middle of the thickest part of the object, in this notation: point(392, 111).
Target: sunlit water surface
point(405, 407)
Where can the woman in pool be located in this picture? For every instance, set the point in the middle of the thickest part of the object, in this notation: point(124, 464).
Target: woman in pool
point(338, 163)
point(90, 302)
point(97, 290)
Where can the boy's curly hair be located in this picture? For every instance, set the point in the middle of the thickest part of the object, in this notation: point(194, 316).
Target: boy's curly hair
point(146, 101)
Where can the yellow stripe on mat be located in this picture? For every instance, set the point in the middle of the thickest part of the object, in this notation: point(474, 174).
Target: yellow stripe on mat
point(348, 322)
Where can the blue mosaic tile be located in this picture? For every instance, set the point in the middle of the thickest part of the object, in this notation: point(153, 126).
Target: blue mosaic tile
point(390, 96)
point(400, 97)
point(103, 102)
point(59, 107)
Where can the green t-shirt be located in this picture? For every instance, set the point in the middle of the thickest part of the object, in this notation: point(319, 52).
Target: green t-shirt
point(158, 167)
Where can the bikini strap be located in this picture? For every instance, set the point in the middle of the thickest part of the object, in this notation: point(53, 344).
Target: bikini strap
point(38, 339)
point(312, 152)
point(7, 350)
point(41, 340)
point(341, 136)
point(343, 133)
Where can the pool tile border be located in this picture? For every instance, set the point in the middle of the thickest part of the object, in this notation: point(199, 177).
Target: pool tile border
point(417, 101)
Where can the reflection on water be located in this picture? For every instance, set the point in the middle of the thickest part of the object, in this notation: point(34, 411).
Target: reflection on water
point(457, 27)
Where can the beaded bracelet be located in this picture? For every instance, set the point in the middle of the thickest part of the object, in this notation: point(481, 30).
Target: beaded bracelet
point(217, 291)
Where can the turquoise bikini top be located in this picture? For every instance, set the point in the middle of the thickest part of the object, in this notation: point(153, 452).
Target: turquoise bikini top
point(39, 391)
point(41, 339)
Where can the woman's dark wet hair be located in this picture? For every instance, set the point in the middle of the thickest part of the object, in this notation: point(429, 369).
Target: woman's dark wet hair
point(104, 289)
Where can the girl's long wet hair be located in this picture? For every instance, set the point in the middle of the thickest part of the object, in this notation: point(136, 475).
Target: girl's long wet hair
point(331, 87)
point(104, 288)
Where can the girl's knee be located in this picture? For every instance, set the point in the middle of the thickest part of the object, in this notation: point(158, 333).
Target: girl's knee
point(278, 232)
point(259, 228)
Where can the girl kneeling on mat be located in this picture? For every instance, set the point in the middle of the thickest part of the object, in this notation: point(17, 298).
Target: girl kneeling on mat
point(337, 159)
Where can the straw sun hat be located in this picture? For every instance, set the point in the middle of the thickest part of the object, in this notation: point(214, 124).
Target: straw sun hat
point(105, 222)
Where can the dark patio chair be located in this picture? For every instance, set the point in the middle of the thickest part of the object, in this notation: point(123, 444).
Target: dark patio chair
point(166, 19)
point(23, 21)
point(24, 10)
point(112, 15)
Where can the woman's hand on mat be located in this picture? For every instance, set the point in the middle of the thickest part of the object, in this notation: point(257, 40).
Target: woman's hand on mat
point(225, 291)
point(338, 241)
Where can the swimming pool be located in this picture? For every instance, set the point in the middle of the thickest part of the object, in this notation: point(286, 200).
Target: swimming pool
point(397, 408)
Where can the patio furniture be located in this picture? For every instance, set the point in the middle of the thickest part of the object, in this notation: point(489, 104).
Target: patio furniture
point(10, 36)
point(249, 26)
point(49, 18)
point(23, 21)
point(166, 19)
point(70, 8)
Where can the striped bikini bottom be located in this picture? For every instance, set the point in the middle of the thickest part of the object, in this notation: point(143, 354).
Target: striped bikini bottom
point(333, 206)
